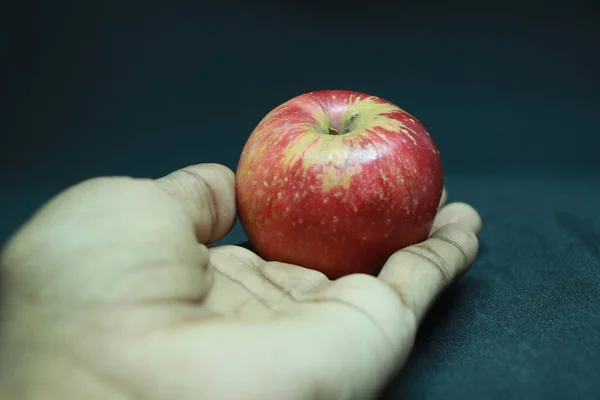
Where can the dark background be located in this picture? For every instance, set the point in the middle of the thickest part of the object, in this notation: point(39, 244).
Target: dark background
point(510, 92)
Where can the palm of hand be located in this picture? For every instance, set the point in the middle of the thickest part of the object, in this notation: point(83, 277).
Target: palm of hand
point(282, 331)
point(276, 330)
point(181, 321)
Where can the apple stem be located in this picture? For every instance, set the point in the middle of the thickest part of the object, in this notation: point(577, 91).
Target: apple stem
point(333, 131)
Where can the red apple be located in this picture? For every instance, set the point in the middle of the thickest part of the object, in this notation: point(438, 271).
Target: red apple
point(337, 181)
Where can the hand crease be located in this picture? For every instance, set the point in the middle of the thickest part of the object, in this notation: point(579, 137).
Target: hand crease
point(255, 296)
point(287, 293)
point(274, 284)
point(281, 288)
point(435, 263)
point(455, 245)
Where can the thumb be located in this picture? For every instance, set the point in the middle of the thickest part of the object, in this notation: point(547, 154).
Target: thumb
point(207, 193)
point(119, 238)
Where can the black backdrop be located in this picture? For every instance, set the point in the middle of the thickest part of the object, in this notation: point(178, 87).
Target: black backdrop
point(510, 93)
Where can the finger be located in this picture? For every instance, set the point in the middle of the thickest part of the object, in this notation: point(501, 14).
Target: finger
point(443, 199)
point(359, 332)
point(282, 276)
point(275, 282)
point(248, 258)
point(119, 237)
point(207, 191)
point(458, 213)
point(419, 273)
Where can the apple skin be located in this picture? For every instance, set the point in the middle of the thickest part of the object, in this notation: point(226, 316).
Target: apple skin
point(337, 181)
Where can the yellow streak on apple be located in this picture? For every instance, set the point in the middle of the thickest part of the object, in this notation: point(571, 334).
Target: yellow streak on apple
point(339, 161)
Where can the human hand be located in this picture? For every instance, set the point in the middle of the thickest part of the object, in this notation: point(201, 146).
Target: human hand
point(110, 292)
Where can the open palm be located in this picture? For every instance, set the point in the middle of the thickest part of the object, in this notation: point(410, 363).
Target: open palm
point(147, 311)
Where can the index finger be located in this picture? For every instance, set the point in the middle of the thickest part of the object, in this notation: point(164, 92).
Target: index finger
point(419, 273)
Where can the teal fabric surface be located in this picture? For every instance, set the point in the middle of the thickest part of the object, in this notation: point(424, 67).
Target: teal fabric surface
point(524, 323)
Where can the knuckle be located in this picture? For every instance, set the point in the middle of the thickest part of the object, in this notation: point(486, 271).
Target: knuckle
point(73, 207)
point(459, 239)
point(197, 185)
point(109, 185)
point(432, 258)
point(190, 186)
point(105, 193)
point(459, 232)
point(198, 195)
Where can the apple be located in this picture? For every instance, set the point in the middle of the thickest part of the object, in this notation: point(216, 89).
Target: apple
point(337, 181)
